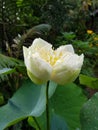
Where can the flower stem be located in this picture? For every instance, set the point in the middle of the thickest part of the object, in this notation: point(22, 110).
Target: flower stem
point(47, 107)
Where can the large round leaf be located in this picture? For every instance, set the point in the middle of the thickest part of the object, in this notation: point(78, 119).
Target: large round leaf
point(58, 123)
point(29, 100)
point(67, 102)
point(89, 114)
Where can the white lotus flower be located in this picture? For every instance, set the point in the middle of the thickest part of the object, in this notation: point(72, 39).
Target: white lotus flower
point(44, 63)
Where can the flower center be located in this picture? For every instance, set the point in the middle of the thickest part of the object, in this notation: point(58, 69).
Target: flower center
point(51, 57)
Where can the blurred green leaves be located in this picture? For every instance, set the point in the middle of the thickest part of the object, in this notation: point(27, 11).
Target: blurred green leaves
point(88, 81)
point(9, 65)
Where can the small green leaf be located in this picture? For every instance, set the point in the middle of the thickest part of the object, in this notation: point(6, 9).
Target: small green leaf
point(7, 71)
point(9, 65)
point(33, 123)
point(89, 114)
point(89, 81)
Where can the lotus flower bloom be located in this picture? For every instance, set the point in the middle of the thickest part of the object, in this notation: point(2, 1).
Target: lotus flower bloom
point(43, 63)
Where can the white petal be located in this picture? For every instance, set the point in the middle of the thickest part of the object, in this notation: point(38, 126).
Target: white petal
point(68, 69)
point(39, 43)
point(39, 68)
point(74, 61)
point(71, 60)
point(25, 51)
point(26, 55)
point(65, 76)
point(64, 49)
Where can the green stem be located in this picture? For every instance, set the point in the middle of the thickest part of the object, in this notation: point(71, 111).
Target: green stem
point(37, 124)
point(47, 107)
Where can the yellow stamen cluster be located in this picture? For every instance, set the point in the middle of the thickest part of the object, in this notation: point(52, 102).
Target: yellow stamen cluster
point(50, 55)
